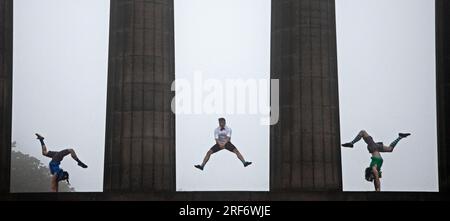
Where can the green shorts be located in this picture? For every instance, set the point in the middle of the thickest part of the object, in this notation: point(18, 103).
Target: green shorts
point(378, 161)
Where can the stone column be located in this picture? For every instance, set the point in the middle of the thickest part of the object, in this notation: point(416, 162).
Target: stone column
point(140, 128)
point(6, 52)
point(443, 91)
point(305, 144)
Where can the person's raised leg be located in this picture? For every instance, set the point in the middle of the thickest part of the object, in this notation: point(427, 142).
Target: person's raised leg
point(387, 148)
point(44, 148)
point(205, 160)
point(361, 134)
point(241, 158)
point(75, 157)
point(395, 142)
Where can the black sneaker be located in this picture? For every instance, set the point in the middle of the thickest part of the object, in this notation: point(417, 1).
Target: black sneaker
point(81, 164)
point(403, 135)
point(39, 137)
point(347, 145)
point(247, 163)
point(198, 167)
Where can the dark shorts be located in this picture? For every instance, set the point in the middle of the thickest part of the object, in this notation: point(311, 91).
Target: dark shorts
point(58, 156)
point(371, 145)
point(229, 146)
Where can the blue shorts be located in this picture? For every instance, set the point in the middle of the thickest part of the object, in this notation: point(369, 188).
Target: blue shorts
point(54, 167)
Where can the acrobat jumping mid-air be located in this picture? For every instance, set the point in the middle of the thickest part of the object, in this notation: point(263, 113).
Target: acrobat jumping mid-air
point(222, 135)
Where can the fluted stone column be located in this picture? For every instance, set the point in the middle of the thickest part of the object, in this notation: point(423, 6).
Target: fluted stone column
point(305, 150)
point(443, 91)
point(140, 130)
point(6, 38)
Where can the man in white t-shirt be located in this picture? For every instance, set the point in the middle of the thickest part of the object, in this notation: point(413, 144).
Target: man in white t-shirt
point(222, 134)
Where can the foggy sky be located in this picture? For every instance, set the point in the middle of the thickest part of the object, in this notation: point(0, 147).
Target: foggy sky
point(222, 40)
point(386, 58)
point(386, 53)
point(59, 82)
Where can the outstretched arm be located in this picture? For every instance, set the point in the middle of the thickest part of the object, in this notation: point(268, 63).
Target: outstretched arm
point(376, 181)
point(54, 184)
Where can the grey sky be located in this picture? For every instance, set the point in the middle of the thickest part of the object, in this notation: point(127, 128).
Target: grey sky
point(59, 82)
point(223, 40)
point(386, 53)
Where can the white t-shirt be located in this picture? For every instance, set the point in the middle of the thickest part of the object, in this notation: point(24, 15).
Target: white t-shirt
point(221, 135)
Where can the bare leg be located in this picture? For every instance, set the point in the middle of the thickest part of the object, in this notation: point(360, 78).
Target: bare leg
point(44, 148)
point(364, 134)
point(206, 159)
point(241, 158)
point(387, 149)
point(361, 134)
point(239, 155)
point(75, 157)
point(73, 154)
point(400, 136)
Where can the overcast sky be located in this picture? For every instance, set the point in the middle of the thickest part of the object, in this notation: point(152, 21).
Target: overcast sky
point(59, 82)
point(222, 40)
point(386, 55)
